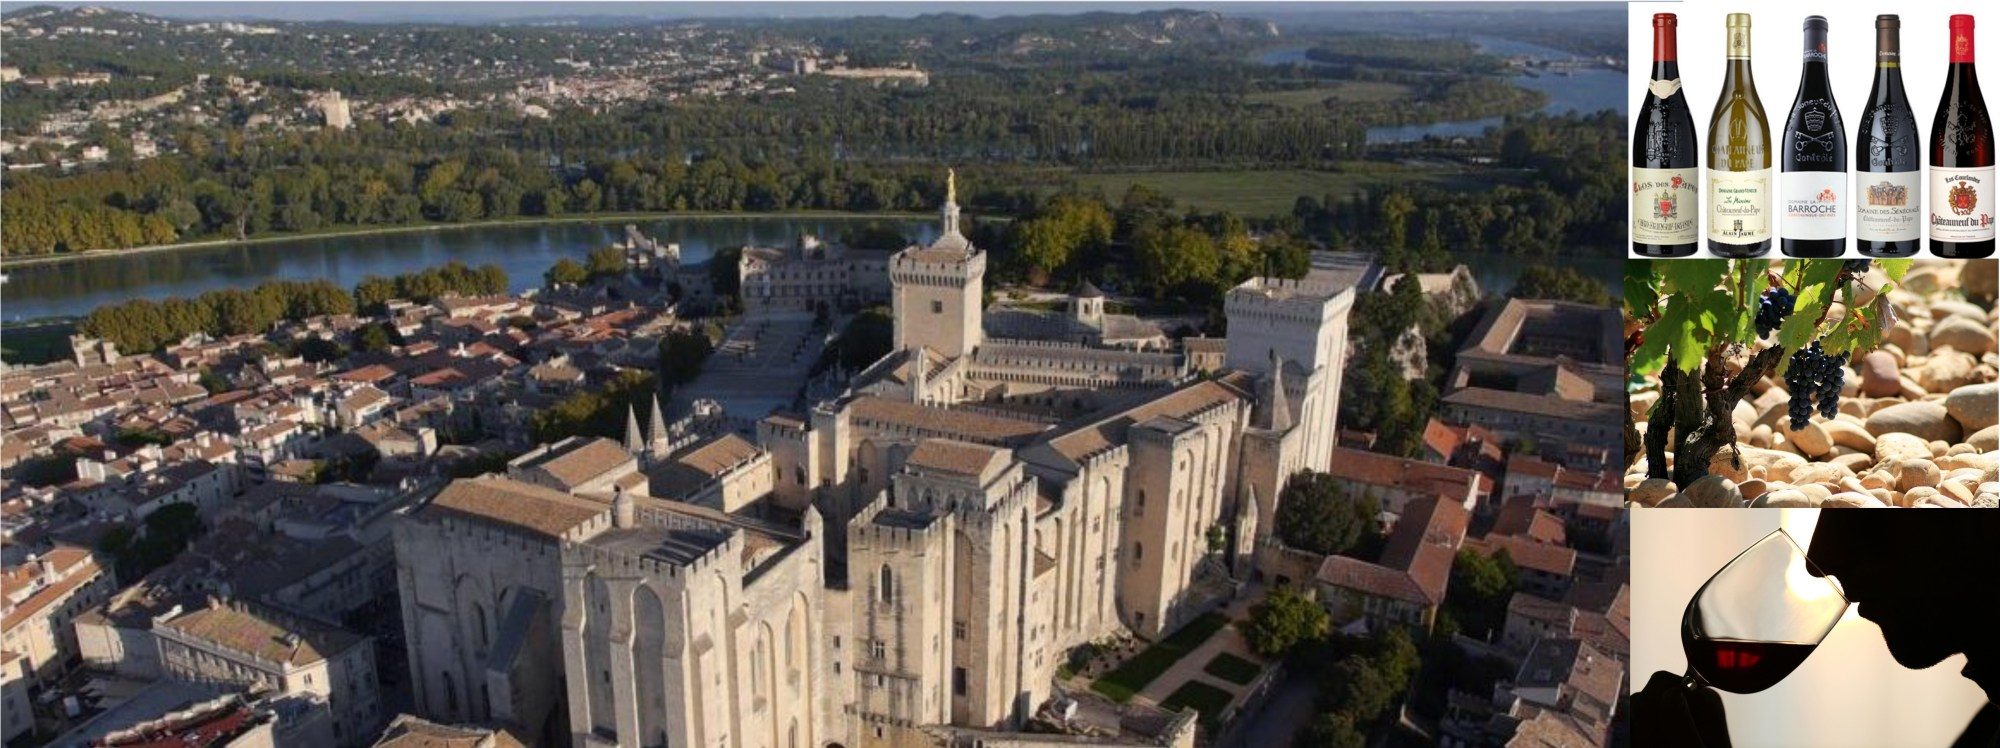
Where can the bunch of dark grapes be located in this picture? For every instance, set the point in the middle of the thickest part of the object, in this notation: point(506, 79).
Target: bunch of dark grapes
point(1854, 267)
point(1772, 309)
point(1814, 377)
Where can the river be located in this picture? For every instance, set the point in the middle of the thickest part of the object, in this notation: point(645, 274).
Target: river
point(1586, 90)
point(525, 251)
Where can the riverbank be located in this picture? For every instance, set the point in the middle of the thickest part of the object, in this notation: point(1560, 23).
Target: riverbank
point(356, 231)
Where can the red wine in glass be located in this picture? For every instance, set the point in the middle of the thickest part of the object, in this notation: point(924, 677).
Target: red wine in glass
point(1742, 666)
point(1759, 617)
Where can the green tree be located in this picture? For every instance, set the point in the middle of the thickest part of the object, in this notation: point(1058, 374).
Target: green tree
point(1283, 620)
point(1561, 283)
point(682, 353)
point(1481, 587)
point(1176, 255)
point(375, 338)
point(605, 262)
point(566, 271)
point(1315, 514)
point(1331, 730)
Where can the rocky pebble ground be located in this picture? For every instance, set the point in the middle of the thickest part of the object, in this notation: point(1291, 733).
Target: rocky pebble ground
point(1916, 426)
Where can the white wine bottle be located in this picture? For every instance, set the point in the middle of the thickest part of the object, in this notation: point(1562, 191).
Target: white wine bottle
point(1739, 157)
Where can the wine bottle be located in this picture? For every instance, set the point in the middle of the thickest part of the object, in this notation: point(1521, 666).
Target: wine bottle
point(1961, 178)
point(1888, 167)
point(1739, 157)
point(1666, 204)
point(1813, 184)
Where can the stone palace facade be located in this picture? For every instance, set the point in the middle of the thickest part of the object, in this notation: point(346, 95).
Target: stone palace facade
point(929, 545)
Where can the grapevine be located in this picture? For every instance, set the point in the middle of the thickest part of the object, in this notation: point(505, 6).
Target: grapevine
point(1772, 309)
point(1716, 329)
point(1814, 376)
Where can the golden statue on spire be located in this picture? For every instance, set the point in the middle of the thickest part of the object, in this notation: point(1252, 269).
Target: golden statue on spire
point(950, 185)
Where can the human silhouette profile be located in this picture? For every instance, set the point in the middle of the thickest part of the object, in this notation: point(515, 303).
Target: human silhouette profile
point(1930, 579)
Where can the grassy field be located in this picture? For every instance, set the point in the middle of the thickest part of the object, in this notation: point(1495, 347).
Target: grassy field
point(1269, 193)
point(1370, 92)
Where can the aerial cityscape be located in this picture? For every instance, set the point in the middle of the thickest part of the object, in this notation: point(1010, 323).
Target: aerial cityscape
point(1031, 378)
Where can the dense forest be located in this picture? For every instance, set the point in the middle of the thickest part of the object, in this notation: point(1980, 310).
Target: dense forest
point(236, 187)
point(1022, 103)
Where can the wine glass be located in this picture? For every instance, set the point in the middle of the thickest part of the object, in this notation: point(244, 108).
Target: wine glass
point(1758, 618)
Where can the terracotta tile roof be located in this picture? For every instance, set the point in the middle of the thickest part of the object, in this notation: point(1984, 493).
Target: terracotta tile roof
point(945, 422)
point(1519, 516)
point(293, 642)
point(1370, 579)
point(1547, 406)
point(1527, 554)
point(581, 463)
point(74, 567)
point(719, 455)
point(511, 504)
point(1416, 561)
point(1375, 469)
point(416, 732)
point(1549, 730)
point(1540, 608)
point(961, 458)
point(1182, 403)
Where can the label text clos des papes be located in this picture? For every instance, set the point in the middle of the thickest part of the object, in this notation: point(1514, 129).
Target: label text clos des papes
point(1663, 206)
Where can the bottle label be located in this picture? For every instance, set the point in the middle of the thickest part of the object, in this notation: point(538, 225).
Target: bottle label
point(1665, 206)
point(1739, 206)
point(1663, 89)
point(1962, 204)
point(1815, 204)
point(1889, 206)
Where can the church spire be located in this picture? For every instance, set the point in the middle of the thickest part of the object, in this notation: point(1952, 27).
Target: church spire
point(1275, 412)
point(632, 442)
point(657, 427)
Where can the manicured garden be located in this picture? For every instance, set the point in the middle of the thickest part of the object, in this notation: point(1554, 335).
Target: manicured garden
point(1125, 681)
point(1234, 669)
point(1208, 700)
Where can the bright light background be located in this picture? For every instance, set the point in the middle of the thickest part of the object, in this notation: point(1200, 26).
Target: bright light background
point(1850, 692)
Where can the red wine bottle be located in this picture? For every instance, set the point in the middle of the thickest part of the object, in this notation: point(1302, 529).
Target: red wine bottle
point(1888, 157)
point(1812, 189)
point(1961, 177)
point(1666, 200)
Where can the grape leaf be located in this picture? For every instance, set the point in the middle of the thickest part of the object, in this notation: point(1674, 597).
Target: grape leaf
point(1894, 269)
point(1640, 296)
point(1815, 293)
point(1692, 277)
point(1671, 332)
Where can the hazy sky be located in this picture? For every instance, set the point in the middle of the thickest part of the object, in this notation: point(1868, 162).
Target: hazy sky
point(478, 12)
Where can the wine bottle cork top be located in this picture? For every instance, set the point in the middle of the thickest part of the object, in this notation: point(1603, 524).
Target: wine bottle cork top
point(1664, 19)
point(1816, 22)
point(1888, 21)
point(1961, 21)
point(1742, 20)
